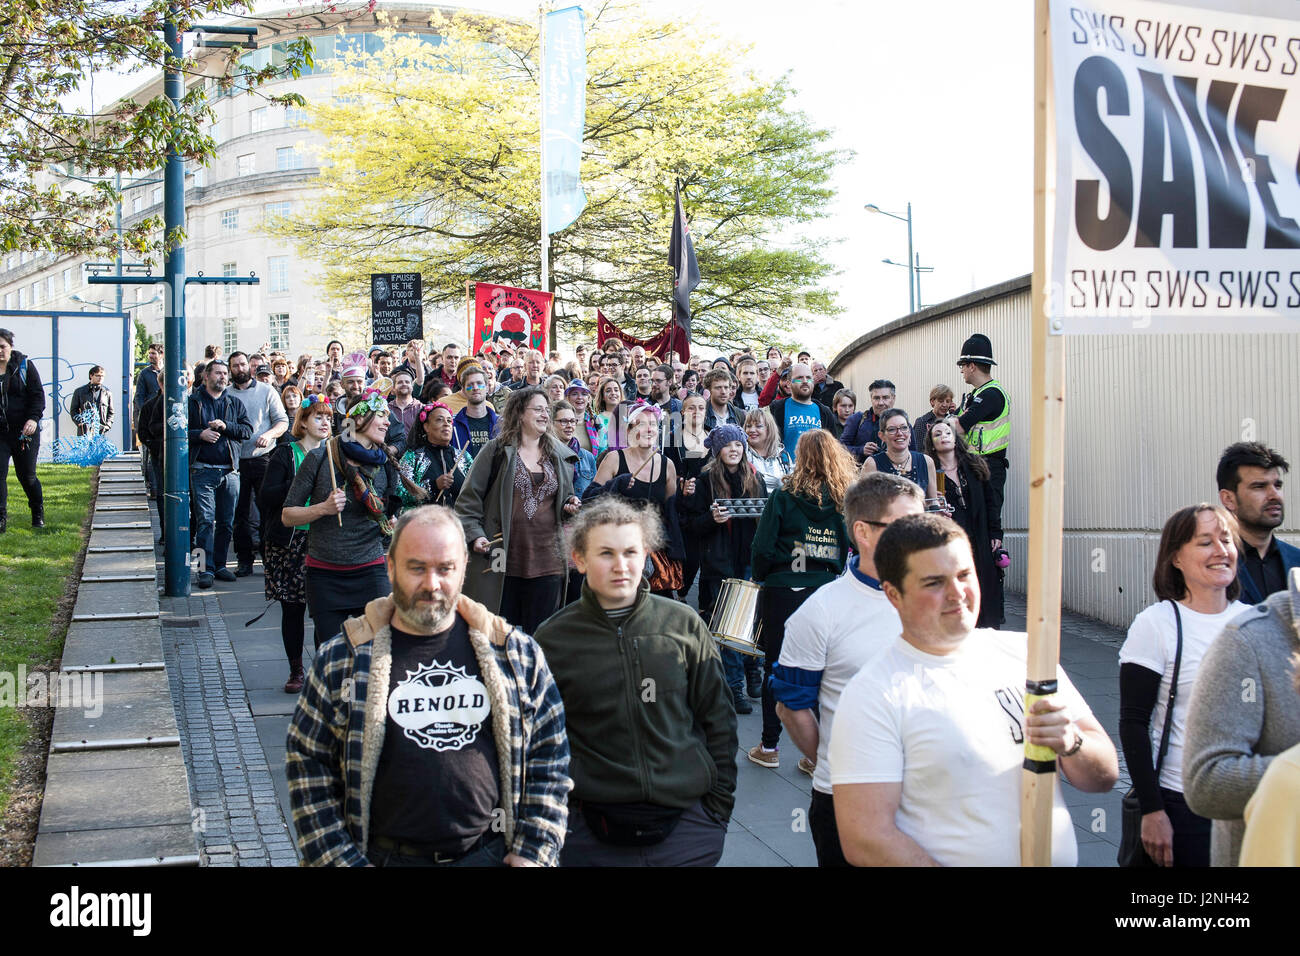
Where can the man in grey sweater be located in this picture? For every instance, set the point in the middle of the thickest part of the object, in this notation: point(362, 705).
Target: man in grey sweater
point(267, 416)
point(1244, 711)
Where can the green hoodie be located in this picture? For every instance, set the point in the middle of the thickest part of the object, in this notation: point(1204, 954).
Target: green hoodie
point(649, 715)
point(799, 542)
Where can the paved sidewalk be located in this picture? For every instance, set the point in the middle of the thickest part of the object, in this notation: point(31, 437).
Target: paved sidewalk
point(769, 827)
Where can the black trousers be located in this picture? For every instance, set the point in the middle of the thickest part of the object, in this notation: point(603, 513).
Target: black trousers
point(24, 456)
point(998, 480)
point(1191, 832)
point(777, 604)
point(527, 602)
point(825, 833)
point(247, 536)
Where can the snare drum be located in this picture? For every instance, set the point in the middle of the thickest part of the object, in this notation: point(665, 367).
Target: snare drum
point(733, 617)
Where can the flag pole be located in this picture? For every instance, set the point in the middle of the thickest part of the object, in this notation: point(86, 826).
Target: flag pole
point(1046, 473)
point(541, 133)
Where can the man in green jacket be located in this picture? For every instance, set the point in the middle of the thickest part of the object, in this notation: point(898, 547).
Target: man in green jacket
point(651, 726)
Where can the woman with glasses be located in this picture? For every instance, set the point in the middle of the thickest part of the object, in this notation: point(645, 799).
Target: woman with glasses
point(346, 492)
point(284, 547)
point(565, 419)
point(431, 468)
point(897, 458)
point(513, 506)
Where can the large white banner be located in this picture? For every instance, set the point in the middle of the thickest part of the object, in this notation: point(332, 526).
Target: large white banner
point(1177, 172)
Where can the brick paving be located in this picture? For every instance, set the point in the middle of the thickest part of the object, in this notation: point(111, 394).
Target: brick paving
point(239, 820)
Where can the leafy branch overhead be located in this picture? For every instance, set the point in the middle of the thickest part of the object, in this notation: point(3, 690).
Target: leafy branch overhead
point(430, 163)
point(49, 52)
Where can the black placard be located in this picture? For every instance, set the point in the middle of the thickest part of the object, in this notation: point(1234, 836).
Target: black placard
point(396, 308)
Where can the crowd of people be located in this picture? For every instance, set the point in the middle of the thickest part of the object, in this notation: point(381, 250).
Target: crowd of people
point(512, 561)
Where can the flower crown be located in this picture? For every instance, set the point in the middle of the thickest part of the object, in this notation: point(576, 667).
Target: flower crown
point(371, 400)
point(427, 410)
point(317, 399)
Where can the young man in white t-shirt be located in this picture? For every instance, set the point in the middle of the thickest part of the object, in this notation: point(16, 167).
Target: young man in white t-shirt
point(835, 632)
point(929, 737)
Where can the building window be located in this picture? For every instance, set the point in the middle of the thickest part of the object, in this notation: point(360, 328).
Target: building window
point(246, 165)
point(135, 204)
point(11, 262)
point(230, 292)
point(230, 220)
point(22, 298)
point(287, 157)
point(22, 258)
point(230, 334)
point(279, 328)
point(295, 116)
point(67, 280)
point(216, 133)
point(278, 267)
point(276, 210)
point(200, 177)
point(36, 292)
point(50, 290)
point(9, 300)
point(258, 120)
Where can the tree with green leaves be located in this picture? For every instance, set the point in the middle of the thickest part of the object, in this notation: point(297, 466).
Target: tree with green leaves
point(57, 192)
point(430, 163)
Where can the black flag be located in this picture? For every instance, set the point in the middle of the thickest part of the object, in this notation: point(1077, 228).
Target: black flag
point(686, 271)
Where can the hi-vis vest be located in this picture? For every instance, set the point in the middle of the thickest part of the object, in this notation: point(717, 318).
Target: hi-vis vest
point(985, 438)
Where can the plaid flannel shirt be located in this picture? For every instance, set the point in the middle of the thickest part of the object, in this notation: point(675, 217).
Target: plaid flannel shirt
point(330, 774)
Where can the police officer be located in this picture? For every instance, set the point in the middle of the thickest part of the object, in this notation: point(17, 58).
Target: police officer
point(984, 418)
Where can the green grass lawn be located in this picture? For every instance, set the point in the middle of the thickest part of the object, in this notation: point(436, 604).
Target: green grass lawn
point(34, 567)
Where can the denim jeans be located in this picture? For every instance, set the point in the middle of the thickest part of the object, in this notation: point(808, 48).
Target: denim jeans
point(215, 492)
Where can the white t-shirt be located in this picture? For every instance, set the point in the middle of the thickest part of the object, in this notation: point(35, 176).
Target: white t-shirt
point(951, 730)
point(1152, 643)
point(748, 399)
point(837, 630)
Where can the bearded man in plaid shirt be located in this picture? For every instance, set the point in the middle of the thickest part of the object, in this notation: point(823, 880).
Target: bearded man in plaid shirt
point(429, 733)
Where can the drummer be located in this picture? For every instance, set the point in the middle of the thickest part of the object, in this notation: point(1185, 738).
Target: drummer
point(725, 541)
point(652, 732)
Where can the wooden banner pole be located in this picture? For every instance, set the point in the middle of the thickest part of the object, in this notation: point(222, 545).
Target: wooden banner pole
point(1046, 471)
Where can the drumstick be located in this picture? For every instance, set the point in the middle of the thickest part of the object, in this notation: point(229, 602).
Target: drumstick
point(329, 452)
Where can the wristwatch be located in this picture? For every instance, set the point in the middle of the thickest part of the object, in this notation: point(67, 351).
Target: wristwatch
point(1078, 743)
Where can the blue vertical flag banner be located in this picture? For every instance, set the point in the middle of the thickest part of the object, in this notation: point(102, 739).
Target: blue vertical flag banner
point(565, 94)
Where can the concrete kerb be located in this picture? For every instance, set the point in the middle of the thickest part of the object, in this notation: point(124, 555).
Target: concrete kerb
point(113, 796)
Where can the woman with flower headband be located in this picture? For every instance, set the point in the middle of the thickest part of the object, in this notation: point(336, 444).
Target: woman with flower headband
point(283, 547)
point(352, 480)
point(640, 472)
point(431, 464)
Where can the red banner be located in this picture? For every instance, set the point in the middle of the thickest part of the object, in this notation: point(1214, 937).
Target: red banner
point(672, 337)
point(519, 318)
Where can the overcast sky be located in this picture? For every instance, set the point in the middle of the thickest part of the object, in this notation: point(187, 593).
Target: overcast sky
point(935, 99)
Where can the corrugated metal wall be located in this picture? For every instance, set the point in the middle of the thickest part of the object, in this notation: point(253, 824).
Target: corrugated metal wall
point(1147, 418)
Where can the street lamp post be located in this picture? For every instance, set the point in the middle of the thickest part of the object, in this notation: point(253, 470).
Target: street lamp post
point(911, 289)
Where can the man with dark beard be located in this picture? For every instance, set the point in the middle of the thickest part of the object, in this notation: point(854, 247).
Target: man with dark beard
point(465, 762)
point(266, 414)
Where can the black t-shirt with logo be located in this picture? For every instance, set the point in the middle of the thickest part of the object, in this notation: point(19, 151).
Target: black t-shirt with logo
point(437, 782)
point(480, 433)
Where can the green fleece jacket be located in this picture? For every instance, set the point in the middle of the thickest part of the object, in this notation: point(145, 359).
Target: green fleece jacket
point(649, 715)
point(799, 542)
